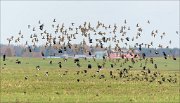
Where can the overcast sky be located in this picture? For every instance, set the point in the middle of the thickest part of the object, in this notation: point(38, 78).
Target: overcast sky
point(163, 15)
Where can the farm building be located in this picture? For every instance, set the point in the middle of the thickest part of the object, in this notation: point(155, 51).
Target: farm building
point(100, 54)
point(124, 54)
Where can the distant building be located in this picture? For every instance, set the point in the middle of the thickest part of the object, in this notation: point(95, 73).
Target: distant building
point(80, 56)
point(100, 54)
point(124, 54)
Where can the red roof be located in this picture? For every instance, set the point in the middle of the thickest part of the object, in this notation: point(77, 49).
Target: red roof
point(116, 55)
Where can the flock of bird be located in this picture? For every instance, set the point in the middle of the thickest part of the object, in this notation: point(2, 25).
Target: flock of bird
point(103, 36)
point(99, 36)
point(118, 70)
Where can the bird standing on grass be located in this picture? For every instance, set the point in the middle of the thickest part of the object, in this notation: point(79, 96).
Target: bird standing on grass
point(4, 57)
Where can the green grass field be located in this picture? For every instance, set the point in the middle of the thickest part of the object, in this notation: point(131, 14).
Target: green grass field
point(61, 84)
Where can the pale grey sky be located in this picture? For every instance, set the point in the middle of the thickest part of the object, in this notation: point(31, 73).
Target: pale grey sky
point(163, 15)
